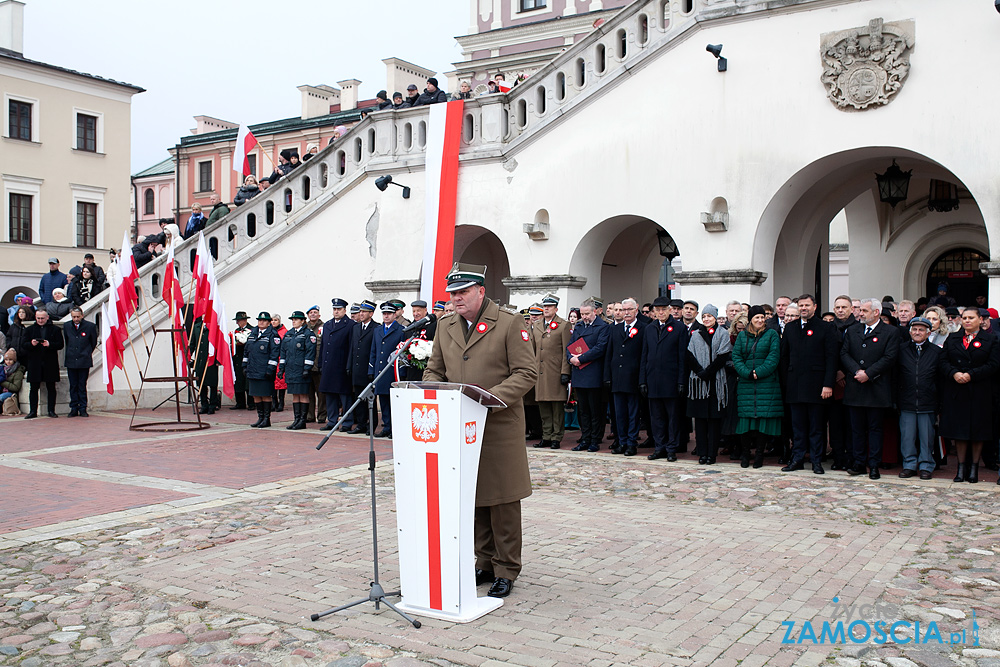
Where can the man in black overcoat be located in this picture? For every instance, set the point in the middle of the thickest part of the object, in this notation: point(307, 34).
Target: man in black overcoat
point(41, 344)
point(361, 347)
point(621, 376)
point(335, 379)
point(81, 341)
point(809, 355)
point(868, 357)
point(662, 377)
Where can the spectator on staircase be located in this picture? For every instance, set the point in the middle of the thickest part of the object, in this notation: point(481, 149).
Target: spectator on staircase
point(247, 191)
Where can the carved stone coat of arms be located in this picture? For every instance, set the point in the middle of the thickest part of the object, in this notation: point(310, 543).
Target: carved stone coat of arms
point(866, 67)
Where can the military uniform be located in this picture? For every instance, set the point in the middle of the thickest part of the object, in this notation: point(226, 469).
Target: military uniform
point(385, 339)
point(494, 351)
point(237, 339)
point(317, 409)
point(260, 364)
point(335, 384)
point(357, 363)
point(298, 356)
point(551, 337)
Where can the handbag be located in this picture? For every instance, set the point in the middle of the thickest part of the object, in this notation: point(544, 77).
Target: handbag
point(10, 407)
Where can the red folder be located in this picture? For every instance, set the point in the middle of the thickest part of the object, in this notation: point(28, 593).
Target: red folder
point(578, 347)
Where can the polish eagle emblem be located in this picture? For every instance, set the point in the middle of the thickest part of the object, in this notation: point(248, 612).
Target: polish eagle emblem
point(424, 420)
point(470, 433)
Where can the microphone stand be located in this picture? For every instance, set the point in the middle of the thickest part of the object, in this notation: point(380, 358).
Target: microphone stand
point(376, 593)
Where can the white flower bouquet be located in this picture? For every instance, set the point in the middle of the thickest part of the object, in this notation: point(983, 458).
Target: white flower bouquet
point(417, 353)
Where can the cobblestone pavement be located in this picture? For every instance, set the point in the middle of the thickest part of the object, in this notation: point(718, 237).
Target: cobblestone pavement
point(214, 548)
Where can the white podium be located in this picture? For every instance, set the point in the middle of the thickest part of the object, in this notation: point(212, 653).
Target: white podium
point(437, 432)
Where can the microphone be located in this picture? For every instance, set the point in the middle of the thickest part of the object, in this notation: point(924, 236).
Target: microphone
point(421, 323)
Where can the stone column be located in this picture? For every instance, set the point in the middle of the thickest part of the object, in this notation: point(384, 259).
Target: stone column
point(992, 271)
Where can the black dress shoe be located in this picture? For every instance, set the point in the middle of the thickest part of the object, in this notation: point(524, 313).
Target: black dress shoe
point(31, 415)
point(237, 407)
point(357, 428)
point(617, 450)
point(854, 472)
point(384, 433)
point(594, 448)
point(73, 413)
point(53, 415)
point(554, 444)
point(818, 469)
point(582, 447)
point(501, 588)
point(543, 443)
point(84, 413)
point(671, 458)
point(906, 473)
point(326, 427)
point(836, 466)
point(484, 576)
point(343, 429)
point(874, 474)
point(791, 467)
point(657, 455)
point(926, 474)
point(631, 451)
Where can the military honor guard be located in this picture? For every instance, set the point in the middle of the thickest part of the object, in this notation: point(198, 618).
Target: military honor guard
point(357, 366)
point(551, 337)
point(487, 345)
point(385, 339)
point(260, 365)
point(298, 356)
point(237, 340)
point(335, 381)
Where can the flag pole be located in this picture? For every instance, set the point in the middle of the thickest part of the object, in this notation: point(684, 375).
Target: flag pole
point(149, 315)
point(197, 351)
point(131, 392)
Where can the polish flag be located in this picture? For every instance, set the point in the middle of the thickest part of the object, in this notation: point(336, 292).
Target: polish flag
point(199, 274)
point(109, 348)
point(221, 350)
point(174, 297)
point(504, 87)
point(128, 271)
point(119, 320)
point(245, 142)
point(444, 131)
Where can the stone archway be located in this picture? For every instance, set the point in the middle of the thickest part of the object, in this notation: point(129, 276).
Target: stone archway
point(478, 245)
point(620, 257)
point(7, 300)
point(792, 237)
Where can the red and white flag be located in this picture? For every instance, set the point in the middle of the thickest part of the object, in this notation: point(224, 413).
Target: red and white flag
point(128, 271)
point(444, 132)
point(222, 354)
point(504, 87)
point(174, 297)
point(109, 347)
point(199, 274)
point(118, 322)
point(245, 142)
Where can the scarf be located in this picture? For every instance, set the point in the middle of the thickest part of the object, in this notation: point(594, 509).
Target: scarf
point(698, 388)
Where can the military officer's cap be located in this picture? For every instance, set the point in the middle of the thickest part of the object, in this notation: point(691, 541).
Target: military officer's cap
point(368, 305)
point(312, 308)
point(676, 303)
point(598, 301)
point(535, 310)
point(240, 315)
point(338, 303)
point(264, 315)
point(439, 305)
point(550, 300)
point(355, 309)
point(661, 301)
point(463, 276)
point(419, 303)
point(388, 307)
point(399, 304)
point(297, 315)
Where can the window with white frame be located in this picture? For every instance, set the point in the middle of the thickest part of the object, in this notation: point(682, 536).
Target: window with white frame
point(88, 215)
point(20, 118)
point(528, 5)
point(21, 204)
point(88, 131)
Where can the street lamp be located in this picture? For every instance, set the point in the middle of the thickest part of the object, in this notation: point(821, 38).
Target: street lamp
point(382, 182)
point(893, 184)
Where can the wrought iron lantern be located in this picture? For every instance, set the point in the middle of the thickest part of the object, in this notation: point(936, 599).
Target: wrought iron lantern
point(668, 247)
point(943, 196)
point(893, 184)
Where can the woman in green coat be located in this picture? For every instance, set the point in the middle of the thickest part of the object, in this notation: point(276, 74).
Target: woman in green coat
point(758, 404)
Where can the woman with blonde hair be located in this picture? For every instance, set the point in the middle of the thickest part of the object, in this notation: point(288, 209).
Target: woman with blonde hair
point(172, 236)
point(939, 325)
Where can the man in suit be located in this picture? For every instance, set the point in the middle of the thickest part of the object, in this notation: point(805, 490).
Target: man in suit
point(918, 371)
point(81, 341)
point(588, 374)
point(662, 377)
point(838, 415)
point(385, 339)
point(550, 336)
point(621, 376)
point(809, 354)
point(335, 382)
point(777, 321)
point(357, 366)
point(40, 350)
point(484, 344)
point(868, 356)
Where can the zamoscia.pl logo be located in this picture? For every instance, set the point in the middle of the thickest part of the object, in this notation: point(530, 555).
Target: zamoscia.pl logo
point(874, 624)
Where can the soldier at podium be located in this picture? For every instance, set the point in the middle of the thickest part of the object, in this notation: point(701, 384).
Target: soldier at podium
point(487, 345)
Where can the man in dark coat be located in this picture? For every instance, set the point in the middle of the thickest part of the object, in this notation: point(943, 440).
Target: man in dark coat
point(42, 342)
point(662, 377)
point(621, 376)
point(918, 370)
point(81, 341)
point(385, 339)
point(868, 357)
point(206, 376)
point(419, 307)
point(335, 383)
point(432, 94)
point(317, 402)
point(237, 339)
point(810, 355)
point(361, 349)
point(838, 414)
point(587, 374)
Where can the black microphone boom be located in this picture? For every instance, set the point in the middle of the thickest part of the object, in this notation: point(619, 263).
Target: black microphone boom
point(421, 323)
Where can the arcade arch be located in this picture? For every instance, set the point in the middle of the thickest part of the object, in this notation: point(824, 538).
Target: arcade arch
point(478, 245)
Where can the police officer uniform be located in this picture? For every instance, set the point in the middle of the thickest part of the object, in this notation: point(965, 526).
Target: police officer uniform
point(336, 381)
point(298, 356)
point(426, 332)
point(385, 339)
point(260, 364)
point(491, 349)
point(317, 409)
point(359, 354)
point(237, 339)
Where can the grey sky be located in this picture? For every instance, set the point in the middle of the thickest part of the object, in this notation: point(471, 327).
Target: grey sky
point(239, 61)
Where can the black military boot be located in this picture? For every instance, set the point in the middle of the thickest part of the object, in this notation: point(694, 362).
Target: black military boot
point(281, 401)
point(267, 415)
point(260, 416)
